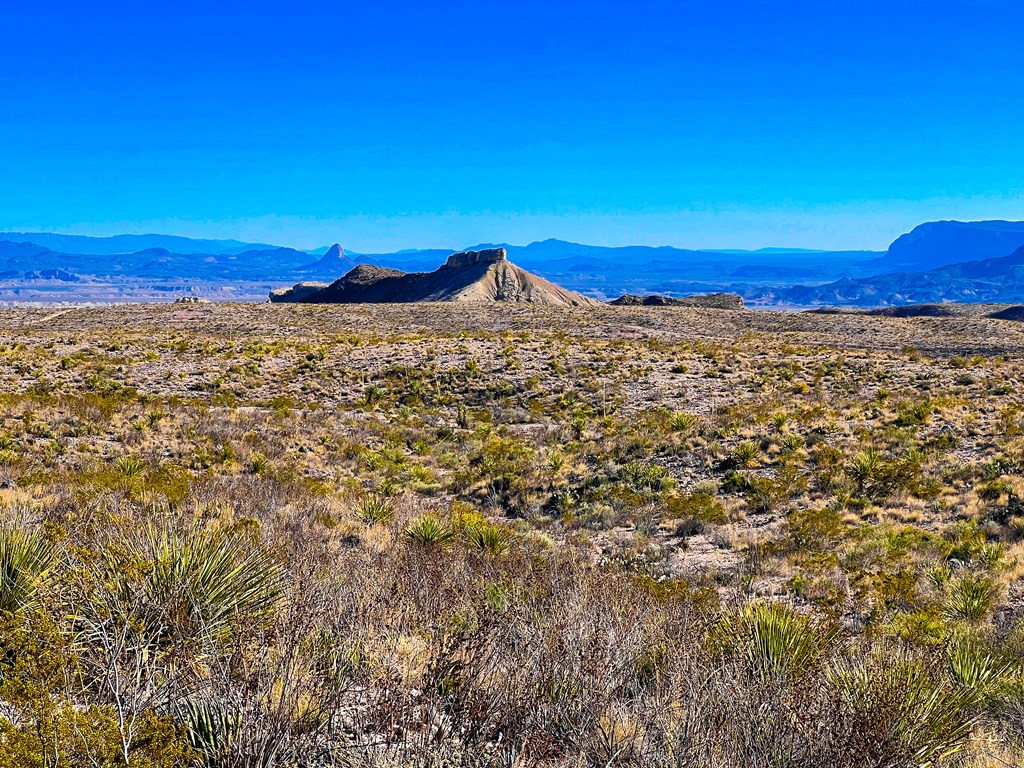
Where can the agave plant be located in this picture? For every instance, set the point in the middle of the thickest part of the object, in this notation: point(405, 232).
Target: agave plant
point(25, 562)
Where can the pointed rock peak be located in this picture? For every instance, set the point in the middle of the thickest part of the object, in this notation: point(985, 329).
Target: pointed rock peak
point(335, 252)
point(469, 258)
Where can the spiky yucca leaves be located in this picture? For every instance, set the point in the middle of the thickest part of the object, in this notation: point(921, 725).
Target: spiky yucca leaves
point(430, 531)
point(975, 667)
point(185, 588)
point(903, 711)
point(774, 639)
point(25, 560)
point(211, 730)
point(681, 421)
point(130, 467)
point(375, 510)
point(489, 538)
point(971, 598)
point(200, 582)
point(745, 454)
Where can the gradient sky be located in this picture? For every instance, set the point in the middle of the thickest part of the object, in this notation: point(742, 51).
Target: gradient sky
point(387, 125)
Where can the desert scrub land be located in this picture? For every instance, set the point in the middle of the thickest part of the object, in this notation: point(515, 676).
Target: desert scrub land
point(255, 535)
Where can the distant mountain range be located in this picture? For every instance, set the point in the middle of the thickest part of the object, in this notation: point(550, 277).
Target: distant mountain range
point(122, 244)
point(996, 280)
point(937, 261)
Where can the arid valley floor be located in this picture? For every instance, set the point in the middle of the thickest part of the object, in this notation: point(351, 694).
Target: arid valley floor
point(510, 535)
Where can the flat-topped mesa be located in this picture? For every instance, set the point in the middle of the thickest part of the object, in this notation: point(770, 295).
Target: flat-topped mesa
point(469, 258)
point(472, 276)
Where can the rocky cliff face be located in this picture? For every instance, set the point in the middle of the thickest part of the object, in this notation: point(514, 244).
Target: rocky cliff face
point(296, 293)
point(471, 258)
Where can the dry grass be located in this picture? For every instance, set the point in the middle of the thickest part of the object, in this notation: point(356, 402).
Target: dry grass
point(509, 537)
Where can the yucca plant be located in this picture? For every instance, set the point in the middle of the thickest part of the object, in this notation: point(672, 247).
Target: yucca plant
point(971, 598)
point(375, 510)
point(555, 462)
point(25, 562)
point(130, 467)
point(373, 396)
point(646, 477)
point(187, 587)
point(917, 717)
point(976, 670)
point(430, 531)
point(682, 421)
point(489, 538)
point(211, 731)
point(774, 639)
point(790, 444)
point(745, 453)
point(259, 464)
point(865, 467)
point(938, 575)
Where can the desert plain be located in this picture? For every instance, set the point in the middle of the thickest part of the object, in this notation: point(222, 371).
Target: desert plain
point(433, 534)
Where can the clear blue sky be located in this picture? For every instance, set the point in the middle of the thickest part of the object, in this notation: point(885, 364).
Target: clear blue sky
point(400, 124)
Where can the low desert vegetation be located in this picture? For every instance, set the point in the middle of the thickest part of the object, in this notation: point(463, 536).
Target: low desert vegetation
point(266, 536)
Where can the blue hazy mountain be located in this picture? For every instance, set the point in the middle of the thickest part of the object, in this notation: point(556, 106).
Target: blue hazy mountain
point(608, 272)
point(938, 243)
point(26, 260)
point(121, 244)
point(938, 261)
point(995, 280)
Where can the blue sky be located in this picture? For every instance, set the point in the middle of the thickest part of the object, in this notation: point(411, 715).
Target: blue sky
point(387, 125)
